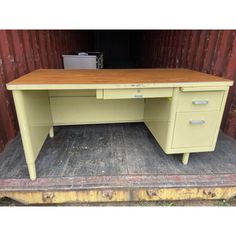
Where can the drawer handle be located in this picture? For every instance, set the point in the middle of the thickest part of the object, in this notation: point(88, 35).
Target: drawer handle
point(138, 96)
point(200, 102)
point(197, 122)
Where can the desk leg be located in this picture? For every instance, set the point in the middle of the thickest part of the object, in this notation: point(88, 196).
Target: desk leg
point(32, 171)
point(34, 118)
point(185, 158)
point(51, 132)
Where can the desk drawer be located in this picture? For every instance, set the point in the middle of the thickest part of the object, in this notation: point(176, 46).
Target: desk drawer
point(200, 101)
point(194, 129)
point(135, 93)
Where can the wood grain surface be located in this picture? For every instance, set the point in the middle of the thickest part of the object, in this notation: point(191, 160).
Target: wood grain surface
point(115, 76)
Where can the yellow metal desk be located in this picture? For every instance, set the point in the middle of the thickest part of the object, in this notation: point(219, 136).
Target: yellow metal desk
point(182, 108)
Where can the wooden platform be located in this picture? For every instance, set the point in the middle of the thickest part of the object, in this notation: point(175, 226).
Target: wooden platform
point(115, 162)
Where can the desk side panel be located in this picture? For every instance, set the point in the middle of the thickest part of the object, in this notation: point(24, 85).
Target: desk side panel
point(34, 117)
point(159, 117)
point(156, 118)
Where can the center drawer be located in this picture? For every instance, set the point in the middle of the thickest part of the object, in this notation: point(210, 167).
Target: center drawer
point(134, 93)
point(200, 101)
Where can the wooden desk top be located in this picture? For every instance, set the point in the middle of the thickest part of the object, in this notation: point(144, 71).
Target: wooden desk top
point(114, 78)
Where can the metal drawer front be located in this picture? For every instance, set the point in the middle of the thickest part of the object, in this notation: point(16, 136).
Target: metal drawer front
point(200, 101)
point(194, 129)
point(137, 93)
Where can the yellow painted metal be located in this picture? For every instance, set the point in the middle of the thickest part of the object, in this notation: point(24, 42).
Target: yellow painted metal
point(33, 112)
point(173, 130)
point(221, 112)
point(213, 137)
point(172, 114)
point(99, 93)
point(184, 194)
point(200, 101)
point(51, 132)
point(159, 117)
point(72, 93)
point(137, 93)
point(89, 110)
point(190, 149)
point(199, 89)
point(37, 197)
point(121, 195)
point(185, 158)
point(194, 129)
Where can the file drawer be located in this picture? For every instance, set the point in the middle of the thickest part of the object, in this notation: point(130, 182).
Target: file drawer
point(135, 93)
point(194, 129)
point(200, 101)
